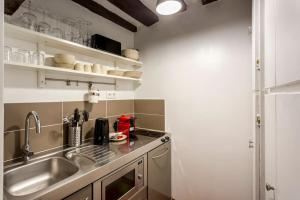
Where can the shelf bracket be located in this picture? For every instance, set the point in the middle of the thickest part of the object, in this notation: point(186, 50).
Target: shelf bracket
point(41, 81)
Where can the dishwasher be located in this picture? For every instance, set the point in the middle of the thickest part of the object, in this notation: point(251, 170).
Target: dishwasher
point(159, 172)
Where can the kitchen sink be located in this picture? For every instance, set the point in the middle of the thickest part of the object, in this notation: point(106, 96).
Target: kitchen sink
point(36, 176)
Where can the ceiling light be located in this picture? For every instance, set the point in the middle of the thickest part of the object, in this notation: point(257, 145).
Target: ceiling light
point(168, 7)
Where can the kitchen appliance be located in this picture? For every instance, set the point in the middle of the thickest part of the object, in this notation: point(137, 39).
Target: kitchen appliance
point(126, 125)
point(126, 183)
point(106, 44)
point(101, 133)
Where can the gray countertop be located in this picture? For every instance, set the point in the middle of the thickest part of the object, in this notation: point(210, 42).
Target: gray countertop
point(121, 154)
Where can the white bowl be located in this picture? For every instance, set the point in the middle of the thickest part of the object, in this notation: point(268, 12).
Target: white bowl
point(131, 53)
point(133, 74)
point(64, 59)
point(63, 65)
point(115, 72)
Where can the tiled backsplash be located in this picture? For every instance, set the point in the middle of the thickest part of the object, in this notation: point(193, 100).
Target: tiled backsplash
point(149, 113)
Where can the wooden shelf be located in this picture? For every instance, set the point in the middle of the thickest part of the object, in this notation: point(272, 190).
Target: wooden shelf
point(61, 71)
point(32, 36)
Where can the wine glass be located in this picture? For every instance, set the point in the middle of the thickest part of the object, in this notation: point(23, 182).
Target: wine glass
point(57, 31)
point(28, 19)
point(69, 26)
point(43, 26)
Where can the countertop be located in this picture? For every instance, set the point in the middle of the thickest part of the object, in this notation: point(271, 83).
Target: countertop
point(123, 153)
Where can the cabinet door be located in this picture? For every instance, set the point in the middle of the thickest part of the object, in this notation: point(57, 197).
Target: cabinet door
point(83, 194)
point(284, 150)
point(287, 41)
point(159, 173)
point(281, 40)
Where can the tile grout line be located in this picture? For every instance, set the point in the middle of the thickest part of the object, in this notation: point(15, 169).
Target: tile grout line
point(32, 128)
point(150, 114)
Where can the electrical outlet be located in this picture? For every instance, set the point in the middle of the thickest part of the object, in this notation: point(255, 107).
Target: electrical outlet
point(111, 95)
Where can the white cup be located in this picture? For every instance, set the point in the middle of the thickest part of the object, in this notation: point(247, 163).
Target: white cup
point(79, 67)
point(97, 68)
point(88, 68)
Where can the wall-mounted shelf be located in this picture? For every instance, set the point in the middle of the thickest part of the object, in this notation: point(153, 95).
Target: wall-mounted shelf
point(32, 36)
point(43, 71)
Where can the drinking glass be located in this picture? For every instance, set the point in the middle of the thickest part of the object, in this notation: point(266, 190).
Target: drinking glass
point(17, 56)
point(25, 55)
point(69, 26)
point(43, 26)
point(7, 53)
point(56, 30)
point(28, 19)
point(84, 28)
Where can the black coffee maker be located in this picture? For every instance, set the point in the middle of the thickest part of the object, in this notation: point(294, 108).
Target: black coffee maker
point(101, 133)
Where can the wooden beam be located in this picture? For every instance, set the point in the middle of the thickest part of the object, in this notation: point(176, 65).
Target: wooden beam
point(102, 11)
point(11, 6)
point(204, 2)
point(137, 10)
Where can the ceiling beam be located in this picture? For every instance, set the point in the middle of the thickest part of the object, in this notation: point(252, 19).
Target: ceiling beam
point(137, 10)
point(102, 11)
point(204, 2)
point(11, 6)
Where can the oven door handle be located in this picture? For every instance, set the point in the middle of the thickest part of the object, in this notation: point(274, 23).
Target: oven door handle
point(161, 155)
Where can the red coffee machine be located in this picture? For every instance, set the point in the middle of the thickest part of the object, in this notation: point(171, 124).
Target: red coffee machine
point(126, 124)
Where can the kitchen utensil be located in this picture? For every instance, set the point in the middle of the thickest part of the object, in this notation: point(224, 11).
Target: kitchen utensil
point(133, 74)
point(74, 135)
point(101, 133)
point(79, 67)
point(115, 72)
point(64, 58)
point(88, 68)
point(97, 68)
point(131, 53)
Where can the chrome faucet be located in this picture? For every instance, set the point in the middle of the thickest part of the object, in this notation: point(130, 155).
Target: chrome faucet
point(27, 149)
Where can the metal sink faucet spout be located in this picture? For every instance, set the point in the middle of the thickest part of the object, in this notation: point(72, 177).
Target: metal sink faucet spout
point(27, 149)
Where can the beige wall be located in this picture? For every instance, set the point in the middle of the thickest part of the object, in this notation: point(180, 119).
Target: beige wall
point(199, 61)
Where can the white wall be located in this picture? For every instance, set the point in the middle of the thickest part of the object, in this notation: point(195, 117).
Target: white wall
point(21, 85)
point(200, 62)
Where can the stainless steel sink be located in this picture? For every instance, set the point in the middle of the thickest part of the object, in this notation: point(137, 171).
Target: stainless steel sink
point(36, 176)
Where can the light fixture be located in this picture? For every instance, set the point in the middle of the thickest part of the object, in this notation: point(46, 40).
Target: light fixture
point(168, 7)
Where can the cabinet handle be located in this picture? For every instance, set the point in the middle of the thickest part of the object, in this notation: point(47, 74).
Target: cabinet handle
point(161, 155)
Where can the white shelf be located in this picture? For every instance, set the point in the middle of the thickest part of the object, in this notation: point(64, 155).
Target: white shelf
point(32, 36)
point(62, 71)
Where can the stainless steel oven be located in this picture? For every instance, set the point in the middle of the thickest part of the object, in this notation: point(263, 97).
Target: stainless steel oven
point(126, 182)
